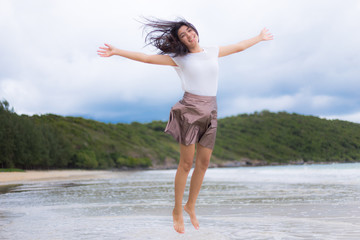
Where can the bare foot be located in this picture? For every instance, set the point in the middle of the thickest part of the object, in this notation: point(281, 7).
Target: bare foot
point(178, 221)
point(193, 219)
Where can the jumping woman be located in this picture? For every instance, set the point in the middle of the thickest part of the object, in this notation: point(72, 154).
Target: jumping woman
point(193, 120)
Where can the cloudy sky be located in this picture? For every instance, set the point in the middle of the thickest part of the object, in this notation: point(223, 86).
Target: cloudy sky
point(49, 63)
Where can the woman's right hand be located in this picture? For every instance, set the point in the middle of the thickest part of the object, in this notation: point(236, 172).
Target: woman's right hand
point(106, 51)
point(265, 35)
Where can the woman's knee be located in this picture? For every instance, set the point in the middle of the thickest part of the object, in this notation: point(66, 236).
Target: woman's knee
point(203, 163)
point(186, 164)
point(203, 157)
point(186, 157)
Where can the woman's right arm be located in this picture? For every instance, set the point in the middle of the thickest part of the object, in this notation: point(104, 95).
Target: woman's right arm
point(110, 50)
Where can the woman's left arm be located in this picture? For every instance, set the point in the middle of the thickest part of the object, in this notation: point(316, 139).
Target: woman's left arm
point(241, 46)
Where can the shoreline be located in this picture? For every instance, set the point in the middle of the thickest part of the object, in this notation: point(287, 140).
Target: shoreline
point(7, 178)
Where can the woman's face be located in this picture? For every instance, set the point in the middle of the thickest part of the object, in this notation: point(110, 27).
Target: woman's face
point(188, 36)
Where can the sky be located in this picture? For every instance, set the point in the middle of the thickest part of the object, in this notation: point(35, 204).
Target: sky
point(49, 61)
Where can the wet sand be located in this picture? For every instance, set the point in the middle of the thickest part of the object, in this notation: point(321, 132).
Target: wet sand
point(55, 175)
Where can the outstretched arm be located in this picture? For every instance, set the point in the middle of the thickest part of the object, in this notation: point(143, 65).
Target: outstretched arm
point(241, 46)
point(110, 50)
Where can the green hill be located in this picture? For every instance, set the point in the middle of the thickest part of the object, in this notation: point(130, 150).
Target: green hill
point(283, 137)
point(56, 142)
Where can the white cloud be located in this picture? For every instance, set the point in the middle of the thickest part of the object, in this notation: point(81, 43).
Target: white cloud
point(304, 100)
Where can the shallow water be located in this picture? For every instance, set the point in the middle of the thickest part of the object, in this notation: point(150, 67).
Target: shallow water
point(287, 202)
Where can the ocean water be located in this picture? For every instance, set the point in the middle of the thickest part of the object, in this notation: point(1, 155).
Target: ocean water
point(286, 202)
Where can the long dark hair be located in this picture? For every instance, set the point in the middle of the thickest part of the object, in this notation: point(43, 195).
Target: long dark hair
point(163, 35)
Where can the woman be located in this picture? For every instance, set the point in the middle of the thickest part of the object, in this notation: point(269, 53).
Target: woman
point(193, 120)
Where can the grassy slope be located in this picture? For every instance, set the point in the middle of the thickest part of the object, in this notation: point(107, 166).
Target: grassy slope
point(51, 141)
point(279, 137)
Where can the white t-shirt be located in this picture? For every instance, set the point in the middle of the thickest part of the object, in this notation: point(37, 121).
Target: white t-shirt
point(199, 72)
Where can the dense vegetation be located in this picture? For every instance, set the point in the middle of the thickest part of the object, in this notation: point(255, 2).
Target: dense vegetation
point(282, 137)
point(51, 141)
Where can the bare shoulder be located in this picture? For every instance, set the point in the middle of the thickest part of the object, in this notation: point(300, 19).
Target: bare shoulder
point(161, 60)
point(227, 50)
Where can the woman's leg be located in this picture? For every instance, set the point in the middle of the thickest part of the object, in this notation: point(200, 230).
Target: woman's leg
point(203, 155)
point(184, 167)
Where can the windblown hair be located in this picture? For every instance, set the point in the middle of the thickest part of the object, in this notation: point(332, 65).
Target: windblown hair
point(163, 35)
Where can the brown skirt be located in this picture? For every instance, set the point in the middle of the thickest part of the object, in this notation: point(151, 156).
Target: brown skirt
point(194, 120)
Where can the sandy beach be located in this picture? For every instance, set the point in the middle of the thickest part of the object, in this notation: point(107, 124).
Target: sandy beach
point(55, 175)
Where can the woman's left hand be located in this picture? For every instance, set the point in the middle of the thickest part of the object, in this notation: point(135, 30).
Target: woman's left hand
point(265, 35)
